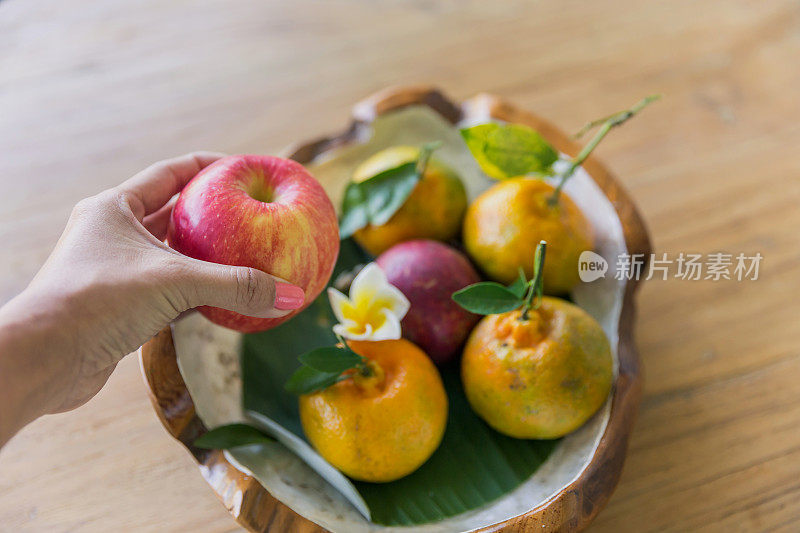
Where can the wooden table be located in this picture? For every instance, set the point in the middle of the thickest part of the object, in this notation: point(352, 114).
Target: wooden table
point(91, 92)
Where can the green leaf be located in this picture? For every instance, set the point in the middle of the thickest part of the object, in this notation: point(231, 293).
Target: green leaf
point(520, 285)
point(509, 150)
point(376, 200)
point(387, 191)
point(330, 359)
point(487, 298)
point(354, 211)
point(231, 436)
point(306, 380)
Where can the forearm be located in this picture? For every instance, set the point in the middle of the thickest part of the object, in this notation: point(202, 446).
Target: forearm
point(32, 360)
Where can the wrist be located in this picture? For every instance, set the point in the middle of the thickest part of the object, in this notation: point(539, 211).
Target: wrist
point(34, 356)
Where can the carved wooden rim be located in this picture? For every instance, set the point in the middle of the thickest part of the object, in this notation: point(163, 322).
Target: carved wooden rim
point(572, 508)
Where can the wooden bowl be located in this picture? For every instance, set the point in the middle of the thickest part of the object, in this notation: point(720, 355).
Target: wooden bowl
point(575, 505)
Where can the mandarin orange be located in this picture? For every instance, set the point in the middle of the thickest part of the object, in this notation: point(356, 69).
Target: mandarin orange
point(383, 424)
point(504, 224)
point(539, 378)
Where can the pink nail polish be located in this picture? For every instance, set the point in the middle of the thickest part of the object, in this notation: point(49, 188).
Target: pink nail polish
point(288, 296)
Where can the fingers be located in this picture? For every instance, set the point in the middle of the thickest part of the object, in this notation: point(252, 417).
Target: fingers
point(248, 291)
point(158, 222)
point(155, 185)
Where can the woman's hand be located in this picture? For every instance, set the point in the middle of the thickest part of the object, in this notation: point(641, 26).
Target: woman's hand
point(109, 285)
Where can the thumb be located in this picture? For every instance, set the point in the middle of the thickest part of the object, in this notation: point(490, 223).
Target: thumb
point(244, 290)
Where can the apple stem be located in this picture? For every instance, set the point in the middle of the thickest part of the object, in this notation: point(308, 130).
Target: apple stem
point(533, 298)
point(606, 124)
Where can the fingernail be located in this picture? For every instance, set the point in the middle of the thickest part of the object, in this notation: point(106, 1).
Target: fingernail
point(288, 296)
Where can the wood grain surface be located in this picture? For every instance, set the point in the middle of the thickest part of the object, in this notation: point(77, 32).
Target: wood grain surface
point(91, 92)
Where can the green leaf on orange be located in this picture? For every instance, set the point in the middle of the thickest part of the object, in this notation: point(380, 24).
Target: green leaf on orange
point(306, 380)
point(376, 199)
point(520, 285)
point(508, 150)
point(354, 211)
point(487, 298)
point(231, 436)
point(387, 191)
point(330, 359)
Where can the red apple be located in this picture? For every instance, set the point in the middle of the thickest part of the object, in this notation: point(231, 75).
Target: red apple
point(262, 212)
point(428, 273)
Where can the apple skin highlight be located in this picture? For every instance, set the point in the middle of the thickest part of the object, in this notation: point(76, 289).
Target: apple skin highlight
point(263, 212)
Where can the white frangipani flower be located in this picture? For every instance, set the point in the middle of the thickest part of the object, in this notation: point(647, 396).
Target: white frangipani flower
point(374, 309)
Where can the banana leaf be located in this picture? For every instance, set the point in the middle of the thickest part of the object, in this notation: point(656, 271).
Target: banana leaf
point(473, 466)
